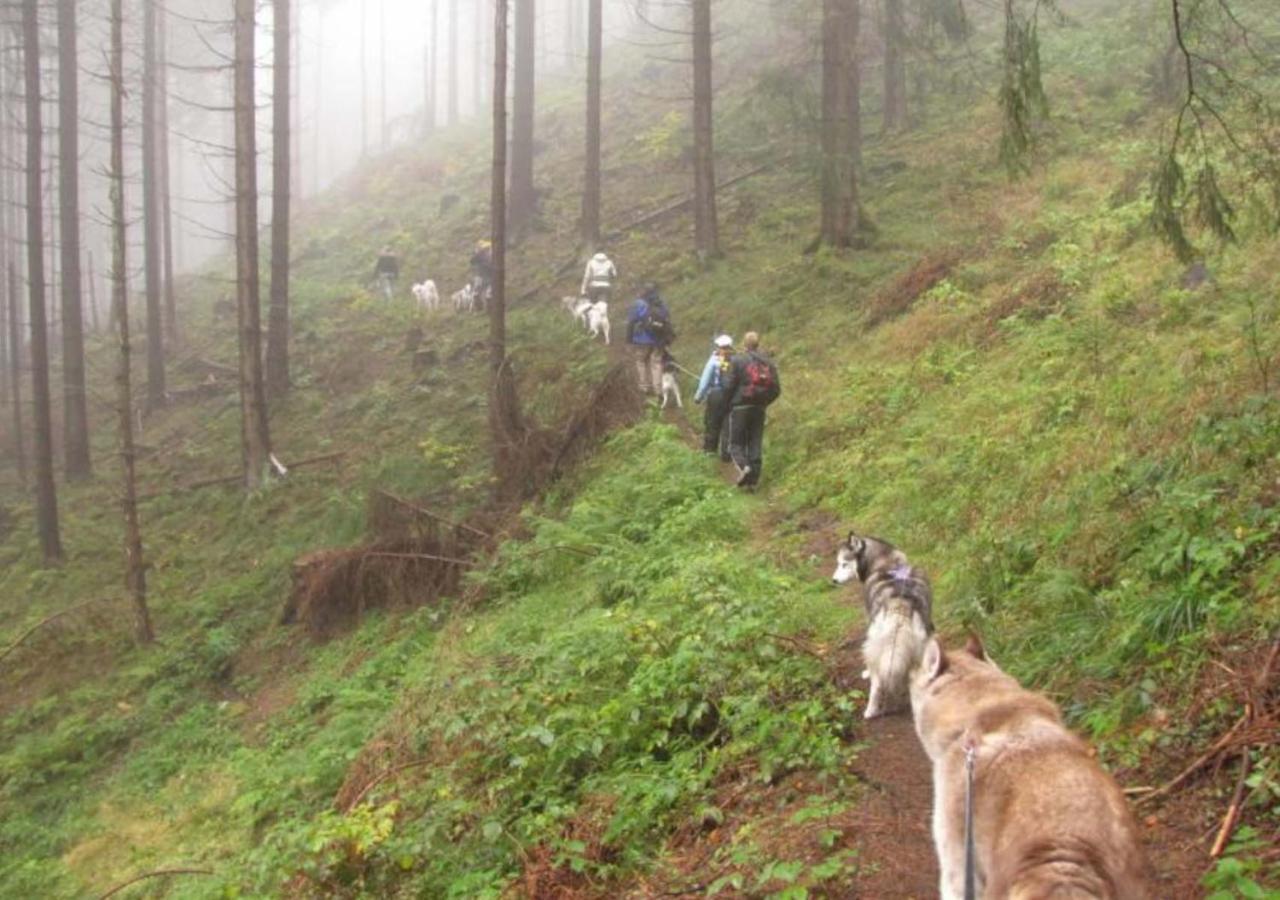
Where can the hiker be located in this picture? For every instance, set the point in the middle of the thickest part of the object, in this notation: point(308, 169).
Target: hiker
point(715, 438)
point(598, 279)
point(482, 272)
point(751, 385)
point(386, 270)
point(649, 332)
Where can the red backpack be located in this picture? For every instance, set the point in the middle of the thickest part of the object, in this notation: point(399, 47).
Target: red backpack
point(760, 381)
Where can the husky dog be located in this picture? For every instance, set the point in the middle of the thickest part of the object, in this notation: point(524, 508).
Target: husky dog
point(1047, 820)
point(670, 385)
point(899, 604)
point(427, 295)
point(598, 320)
point(464, 300)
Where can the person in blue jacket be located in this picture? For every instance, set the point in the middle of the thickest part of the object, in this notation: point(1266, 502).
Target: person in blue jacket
point(715, 437)
point(649, 332)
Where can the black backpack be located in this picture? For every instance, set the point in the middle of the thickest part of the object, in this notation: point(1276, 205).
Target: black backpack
point(657, 325)
point(760, 385)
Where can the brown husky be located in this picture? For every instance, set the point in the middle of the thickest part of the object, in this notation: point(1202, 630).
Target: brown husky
point(1048, 822)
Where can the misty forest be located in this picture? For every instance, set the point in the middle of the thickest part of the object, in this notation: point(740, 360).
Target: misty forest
point(429, 430)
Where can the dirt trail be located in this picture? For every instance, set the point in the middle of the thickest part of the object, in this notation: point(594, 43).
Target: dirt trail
point(889, 826)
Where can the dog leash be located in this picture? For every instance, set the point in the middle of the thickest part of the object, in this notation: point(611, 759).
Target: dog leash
point(970, 854)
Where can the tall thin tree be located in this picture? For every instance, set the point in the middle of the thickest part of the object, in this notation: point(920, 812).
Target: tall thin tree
point(15, 371)
point(523, 199)
point(504, 409)
point(706, 225)
point(46, 493)
point(364, 78)
point(895, 66)
point(281, 182)
point(151, 210)
point(135, 568)
point(591, 189)
point(75, 412)
point(430, 54)
point(254, 433)
point(839, 81)
point(455, 69)
point(165, 188)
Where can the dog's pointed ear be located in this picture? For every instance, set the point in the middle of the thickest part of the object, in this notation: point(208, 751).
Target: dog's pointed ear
point(974, 647)
point(935, 660)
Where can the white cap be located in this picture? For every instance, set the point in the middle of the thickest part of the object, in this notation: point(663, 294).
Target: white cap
point(724, 341)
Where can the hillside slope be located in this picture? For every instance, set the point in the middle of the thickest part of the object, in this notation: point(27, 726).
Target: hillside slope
point(648, 686)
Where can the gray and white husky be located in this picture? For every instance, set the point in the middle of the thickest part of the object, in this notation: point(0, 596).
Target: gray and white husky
point(899, 604)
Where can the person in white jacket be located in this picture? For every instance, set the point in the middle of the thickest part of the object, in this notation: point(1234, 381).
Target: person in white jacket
point(598, 279)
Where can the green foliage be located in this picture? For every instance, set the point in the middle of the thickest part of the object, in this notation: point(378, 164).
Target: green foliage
point(570, 698)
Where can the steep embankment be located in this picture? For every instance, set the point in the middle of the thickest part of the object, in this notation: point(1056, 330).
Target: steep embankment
point(649, 689)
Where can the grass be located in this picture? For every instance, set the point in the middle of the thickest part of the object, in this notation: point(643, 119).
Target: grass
point(1078, 449)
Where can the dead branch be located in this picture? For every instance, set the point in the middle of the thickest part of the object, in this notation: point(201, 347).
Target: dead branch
point(1233, 811)
point(422, 510)
point(1201, 761)
point(43, 622)
point(232, 479)
point(156, 874)
point(380, 778)
point(379, 554)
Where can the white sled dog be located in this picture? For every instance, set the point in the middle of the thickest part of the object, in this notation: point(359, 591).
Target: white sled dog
point(670, 385)
point(427, 295)
point(464, 300)
point(598, 320)
point(1048, 822)
point(576, 307)
point(899, 604)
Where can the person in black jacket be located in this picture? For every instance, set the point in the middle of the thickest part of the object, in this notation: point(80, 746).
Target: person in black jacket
point(386, 271)
point(751, 385)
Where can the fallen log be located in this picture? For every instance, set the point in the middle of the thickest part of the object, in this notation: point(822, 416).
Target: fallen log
point(232, 479)
point(42, 623)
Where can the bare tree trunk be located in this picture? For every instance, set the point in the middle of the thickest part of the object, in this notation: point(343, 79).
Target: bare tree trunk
point(382, 74)
point(281, 160)
point(254, 434)
point(455, 71)
point(317, 129)
point(75, 413)
point(92, 281)
point(295, 103)
point(165, 189)
point(151, 210)
point(706, 227)
point(478, 64)
point(504, 408)
point(364, 78)
point(9, 347)
point(430, 55)
point(135, 568)
point(895, 70)
point(523, 199)
point(15, 372)
point(839, 137)
point(46, 493)
point(591, 190)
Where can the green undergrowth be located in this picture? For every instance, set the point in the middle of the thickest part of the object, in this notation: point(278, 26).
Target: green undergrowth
point(1010, 380)
point(627, 658)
